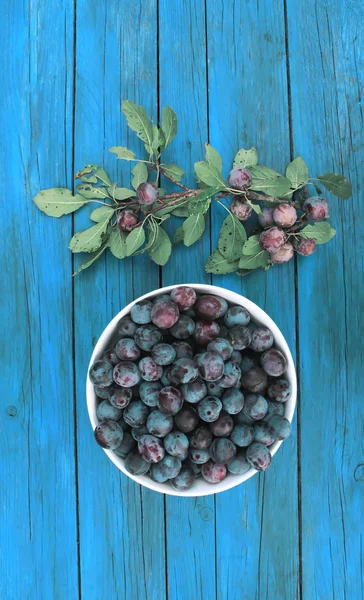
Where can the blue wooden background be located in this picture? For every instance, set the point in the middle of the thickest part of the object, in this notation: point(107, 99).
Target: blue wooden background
point(286, 77)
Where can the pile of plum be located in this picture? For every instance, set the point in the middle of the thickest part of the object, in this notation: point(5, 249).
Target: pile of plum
point(191, 388)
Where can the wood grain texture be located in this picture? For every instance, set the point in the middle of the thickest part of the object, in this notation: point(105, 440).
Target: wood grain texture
point(121, 525)
point(190, 522)
point(328, 129)
point(38, 540)
point(257, 523)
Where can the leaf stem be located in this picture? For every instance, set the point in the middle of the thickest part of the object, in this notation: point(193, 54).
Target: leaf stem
point(178, 183)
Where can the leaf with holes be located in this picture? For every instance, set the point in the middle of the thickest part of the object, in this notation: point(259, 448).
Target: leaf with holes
point(140, 175)
point(337, 184)
point(269, 181)
point(245, 158)
point(91, 258)
point(193, 228)
point(117, 243)
point(122, 153)
point(138, 121)
point(91, 192)
point(219, 265)
point(201, 202)
point(56, 202)
point(232, 238)
point(173, 171)
point(213, 157)
point(89, 239)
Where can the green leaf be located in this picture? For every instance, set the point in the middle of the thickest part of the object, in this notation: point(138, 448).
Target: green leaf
point(193, 228)
point(169, 124)
point(256, 208)
point(337, 184)
point(117, 243)
point(99, 214)
point(317, 188)
point(219, 265)
point(89, 239)
point(120, 193)
point(252, 246)
point(161, 248)
point(173, 171)
point(245, 158)
point(181, 211)
point(297, 172)
point(213, 157)
point(254, 261)
point(209, 175)
point(56, 202)
point(122, 152)
point(101, 174)
point(86, 174)
point(139, 122)
point(91, 192)
point(140, 173)
point(320, 232)
point(91, 258)
point(159, 141)
point(243, 272)
point(134, 240)
point(232, 238)
point(178, 236)
point(201, 203)
point(269, 181)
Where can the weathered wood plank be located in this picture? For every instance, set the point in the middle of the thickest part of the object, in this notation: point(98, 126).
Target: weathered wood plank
point(257, 523)
point(326, 68)
point(190, 522)
point(121, 525)
point(38, 537)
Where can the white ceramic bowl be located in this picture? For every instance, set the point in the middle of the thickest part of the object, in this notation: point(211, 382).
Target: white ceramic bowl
point(200, 487)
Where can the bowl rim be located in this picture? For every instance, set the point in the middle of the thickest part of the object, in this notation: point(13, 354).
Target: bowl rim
point(258, 314)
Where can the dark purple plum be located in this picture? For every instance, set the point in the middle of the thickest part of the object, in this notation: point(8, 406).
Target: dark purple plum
point(137, 432)
point(239, 337)
point(127, 445)
point(262, 339)
point(236, 358)
point(111, 356)
point(274, 362)
point(198, 456)
point(136, 413)
point(232, 401)
point(163, 354)
point(126, 327)
point(101, 373)
point(272, 239)
point(212, 472)
point(231, 375)
point(183, 328)
point(223, 426)
point(206, 332)
point(127, 349)
point(126, 374)
point(147, 336)
point(242, 435)
point(149, 369)
point(255, 380)
point(184, 370)
point(183, 349)
point(105, 411)
point(165, 314)
point(213, 389)
point(183, 296)
point(170, 400)
point(266, 218)
point(141, 312)
point(258, 456)
point(150, 448)
point(186, 420)
point(209, 409)
point(201, 438)
point(255, 406)
point(239, 179)
point(120, 397)
point(305, 247)
point(317, 208)
point(209, 308)
point(222, 450)
point(148, 392)
point(147, 193)
point(176, 444)
point(136, 464)
point(279, 390)
point(248, 360)
point(194, 391)
point(210, 366)
point(240, 208)
point(159, 424)
point(127, 219)
point(109, 434)
point(237, 315)
point(184, 480)
point(222, 347)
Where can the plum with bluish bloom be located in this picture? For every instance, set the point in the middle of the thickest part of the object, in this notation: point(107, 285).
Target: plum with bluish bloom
point(222, 450)
point(239, 337)
point(156, 474)
point(141, 312)
point(304, 247)
point(242, 419)
point(274, 408)
point(183, 328)
point(101, 373)
point(223, 426)
point(272, 239)
point(126, 374)
point(183, 296)
point(231, 375)
point(127, 219)
point(149, 370)
point(184, 370)
point(183, 349)
point(148, 392)
point(109, 434)
point(205, 332)
point(186, 419)
point(151, 448)
point(236, 358)
point(209, 409)
point(248, 360)
point(159, 424)
point(184, 480)
point(240, 209)
point(242, 435)
point(266, 218)
point(165, 314)
point(239, 179)
point(127, 327)
point(317, 208)
point(255, 406)
point(221, 346)
point(285, 215)
point(232, 401)
point(223, 331)
point(162, 298)
point(168, 468)
point(136, 464)
point(209, 308)
point(124, 426)
point(111, 356)
point(166, 378)
point(283, 255)
point(105, 411)
point(163, 354)
point(127, 445)
point(127, 349)
point(201, 438)
point(281, 428)
point(239, 464)
point(237, 315)
point(176, 444)
point(137, 432)
point(263, 433)
point(279, 390)
point(213, 389)
point(210, 366)
point(103, 392)
point(194, 391)
point(258, 456)
point(273, 362)
point(170, 400)
point(136, 413)
point(147, 193)
point(195, 468)
point(147, 336)
point(198, 456)
point(255, 380)
point(262, 339)
point(213, 472)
